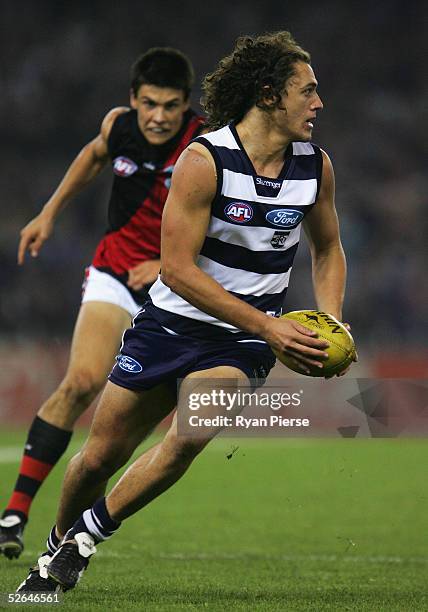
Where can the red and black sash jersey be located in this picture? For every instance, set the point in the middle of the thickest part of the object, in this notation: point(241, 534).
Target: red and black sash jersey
point(142, 176)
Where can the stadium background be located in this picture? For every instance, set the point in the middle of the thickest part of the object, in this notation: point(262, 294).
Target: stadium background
point(324, 525)
point(64, 67)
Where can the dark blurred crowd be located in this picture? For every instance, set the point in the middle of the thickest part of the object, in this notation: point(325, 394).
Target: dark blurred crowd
point(65, 65)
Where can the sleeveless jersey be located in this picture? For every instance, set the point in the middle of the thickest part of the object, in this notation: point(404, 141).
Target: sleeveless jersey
point(142, 176)
point(253, 232)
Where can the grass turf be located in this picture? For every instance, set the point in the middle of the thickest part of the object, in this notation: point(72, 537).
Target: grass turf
point(282, 525)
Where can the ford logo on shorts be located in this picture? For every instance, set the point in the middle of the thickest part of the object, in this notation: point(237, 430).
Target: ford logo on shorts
point(129, 364)
point(284, 217)
point(240, 212)
point(123, 166)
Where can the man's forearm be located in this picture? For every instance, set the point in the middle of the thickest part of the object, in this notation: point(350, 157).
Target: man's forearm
point(206, 294)
point(329, 279)
point(81, 172)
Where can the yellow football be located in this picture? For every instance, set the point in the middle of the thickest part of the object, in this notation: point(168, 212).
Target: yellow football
point(341, 351)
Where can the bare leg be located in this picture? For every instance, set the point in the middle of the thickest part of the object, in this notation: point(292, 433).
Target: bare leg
point(144, 481)
point(96, 341)
point(122, 420)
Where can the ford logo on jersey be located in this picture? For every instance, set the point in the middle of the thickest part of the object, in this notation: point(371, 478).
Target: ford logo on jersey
point(239, 212)
point(129, 364)
point(284, 217)
point(123, 166)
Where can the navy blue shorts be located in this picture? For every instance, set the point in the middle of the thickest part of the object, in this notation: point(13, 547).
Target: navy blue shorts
point(150, 355)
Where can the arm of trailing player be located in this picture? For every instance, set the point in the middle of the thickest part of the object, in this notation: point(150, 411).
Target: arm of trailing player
point(328, 259)
point(84, 168)
point(184, 226)
point(144, 273)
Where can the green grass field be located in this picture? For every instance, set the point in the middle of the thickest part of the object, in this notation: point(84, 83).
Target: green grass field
point(282, 525)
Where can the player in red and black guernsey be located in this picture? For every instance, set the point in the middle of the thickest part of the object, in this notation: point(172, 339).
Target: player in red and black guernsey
point(142, 175)
point(142, 144)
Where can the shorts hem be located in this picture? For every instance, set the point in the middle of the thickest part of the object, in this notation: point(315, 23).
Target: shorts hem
point(219, 363)
point(131, 387)
point(107, 301)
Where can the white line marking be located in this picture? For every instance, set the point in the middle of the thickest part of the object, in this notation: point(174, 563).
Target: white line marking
point(13, 454)
point(310, 557)
point(206, 556)
point(10, 454)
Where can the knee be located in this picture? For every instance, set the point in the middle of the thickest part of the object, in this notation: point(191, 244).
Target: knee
point(98, 466)
point(81, 385)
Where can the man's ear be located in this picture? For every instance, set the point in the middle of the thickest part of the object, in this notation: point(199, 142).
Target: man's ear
point(132, 99)
point(269, 97)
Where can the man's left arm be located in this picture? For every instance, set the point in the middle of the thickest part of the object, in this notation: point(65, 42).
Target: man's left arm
point(328, 259)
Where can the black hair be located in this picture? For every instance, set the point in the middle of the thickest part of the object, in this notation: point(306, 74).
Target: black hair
point(163, 67)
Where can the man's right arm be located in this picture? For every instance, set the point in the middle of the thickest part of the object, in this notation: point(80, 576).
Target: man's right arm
point(82, 171)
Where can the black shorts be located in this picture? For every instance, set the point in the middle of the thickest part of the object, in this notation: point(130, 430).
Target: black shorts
point(151, 354)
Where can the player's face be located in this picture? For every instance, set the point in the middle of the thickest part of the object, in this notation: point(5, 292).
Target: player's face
point(160, 112)
point(299, 104)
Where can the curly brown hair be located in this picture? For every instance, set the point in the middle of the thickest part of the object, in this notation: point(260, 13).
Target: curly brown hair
point(257, 69)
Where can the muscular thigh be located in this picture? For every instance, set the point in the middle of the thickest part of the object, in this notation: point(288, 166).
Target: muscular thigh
point(123, 418)
point(97, 337)
point(226, 378)
point(222, 378)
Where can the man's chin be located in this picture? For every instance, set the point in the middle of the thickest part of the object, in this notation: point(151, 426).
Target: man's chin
point(306, 136)
point(157, 139)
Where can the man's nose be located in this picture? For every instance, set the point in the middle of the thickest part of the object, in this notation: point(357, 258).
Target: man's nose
point(318, 104)
point(159, 114)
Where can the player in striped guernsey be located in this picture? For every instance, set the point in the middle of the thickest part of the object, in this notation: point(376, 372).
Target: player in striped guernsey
point(141, 144)
point(230, 228)
point(254, 228)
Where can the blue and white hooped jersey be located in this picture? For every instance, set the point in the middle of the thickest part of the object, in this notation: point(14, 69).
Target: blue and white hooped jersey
point(254, 228)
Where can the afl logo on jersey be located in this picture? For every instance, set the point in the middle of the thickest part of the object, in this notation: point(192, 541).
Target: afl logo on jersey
point(284, 217)
point(168, 171)
point(129, 364)
point(123, 166)
point(239, 212)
